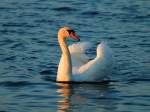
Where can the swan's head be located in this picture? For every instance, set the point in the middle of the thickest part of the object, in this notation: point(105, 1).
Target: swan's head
point(67, 32)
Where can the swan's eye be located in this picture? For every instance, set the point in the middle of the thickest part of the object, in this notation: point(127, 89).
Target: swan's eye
point(71, 31)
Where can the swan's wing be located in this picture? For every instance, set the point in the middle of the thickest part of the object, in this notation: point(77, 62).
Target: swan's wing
point(96, 69)
point(79, 47)
point(77, 52)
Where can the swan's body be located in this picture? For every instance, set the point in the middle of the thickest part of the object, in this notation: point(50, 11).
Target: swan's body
point(74, 64)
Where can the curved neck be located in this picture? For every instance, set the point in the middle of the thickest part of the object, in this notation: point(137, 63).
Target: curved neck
point(67, 65)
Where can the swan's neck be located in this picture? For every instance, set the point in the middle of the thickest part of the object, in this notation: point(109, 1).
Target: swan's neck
point(66, 73)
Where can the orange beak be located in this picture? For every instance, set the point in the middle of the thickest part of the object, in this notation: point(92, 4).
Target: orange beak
point(74, 36)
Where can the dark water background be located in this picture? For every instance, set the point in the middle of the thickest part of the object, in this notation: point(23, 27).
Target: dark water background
point(29, 54)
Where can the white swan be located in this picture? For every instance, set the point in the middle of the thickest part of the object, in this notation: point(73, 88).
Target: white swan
point(74, 64)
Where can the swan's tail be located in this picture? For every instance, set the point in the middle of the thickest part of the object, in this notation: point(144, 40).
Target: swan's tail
point(103, 50)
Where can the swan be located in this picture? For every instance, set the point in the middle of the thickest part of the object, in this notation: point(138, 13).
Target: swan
point(74, 65)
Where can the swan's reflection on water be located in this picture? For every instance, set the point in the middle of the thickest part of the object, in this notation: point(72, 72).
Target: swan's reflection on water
point(65, 92)
point(86, 97)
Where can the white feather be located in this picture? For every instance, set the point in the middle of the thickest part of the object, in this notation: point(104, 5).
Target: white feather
point(77, 51)
point(93, 70)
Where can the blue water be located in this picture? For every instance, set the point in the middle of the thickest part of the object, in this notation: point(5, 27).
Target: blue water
point(29, 55)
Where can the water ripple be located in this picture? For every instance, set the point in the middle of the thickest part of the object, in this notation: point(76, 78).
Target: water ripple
point(90, 13)
point(15, 84)
point(64, 9)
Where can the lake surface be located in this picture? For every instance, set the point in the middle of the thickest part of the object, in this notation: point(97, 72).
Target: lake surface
point(29, 55)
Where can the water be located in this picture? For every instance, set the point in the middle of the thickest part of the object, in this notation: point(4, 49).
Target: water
point(29, 54)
